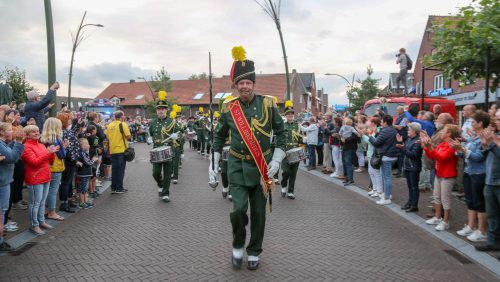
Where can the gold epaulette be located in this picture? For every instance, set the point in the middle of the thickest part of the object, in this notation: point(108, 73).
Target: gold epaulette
point(225, 105)
point(269, 100)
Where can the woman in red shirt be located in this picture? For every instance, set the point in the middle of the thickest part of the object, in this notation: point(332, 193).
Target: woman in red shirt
point(37, 159)
point(446, 173)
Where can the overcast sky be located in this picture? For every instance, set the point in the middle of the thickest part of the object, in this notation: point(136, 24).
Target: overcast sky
point(139, 37)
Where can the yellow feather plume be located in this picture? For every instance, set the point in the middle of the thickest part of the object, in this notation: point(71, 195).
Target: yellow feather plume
point(162, 95)
point(229, 97)
point(275, 99)
point(179, 109)
point(239, 53)
point(288, 103)
point(200, 109)
point(216, 114)
point(173, 114)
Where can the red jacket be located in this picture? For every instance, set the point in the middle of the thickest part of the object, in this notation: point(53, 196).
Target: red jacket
point(37, 160)
point(446, 160)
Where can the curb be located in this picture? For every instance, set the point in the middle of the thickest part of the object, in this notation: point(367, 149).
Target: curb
point(483, 259)
point(26, 236)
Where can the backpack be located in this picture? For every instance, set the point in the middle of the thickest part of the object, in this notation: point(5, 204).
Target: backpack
point(409, 62)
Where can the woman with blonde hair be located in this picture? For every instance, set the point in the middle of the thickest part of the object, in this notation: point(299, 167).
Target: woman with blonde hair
point(37, 159)
point(52, 135)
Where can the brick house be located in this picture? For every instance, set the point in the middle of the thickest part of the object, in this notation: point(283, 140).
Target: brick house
point(195, 93)
point(434, 82)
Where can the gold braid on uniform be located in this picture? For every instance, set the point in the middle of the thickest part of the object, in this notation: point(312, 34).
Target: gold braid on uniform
point(268, 104)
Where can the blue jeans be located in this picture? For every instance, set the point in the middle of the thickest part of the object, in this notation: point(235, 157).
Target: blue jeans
point(412, 178)
point(36, 207)
point(311, 150)
point(348, 157)
point(492, 198)
point(53, 189)
point(118, 165)
point(4, 200)
point(387, 178)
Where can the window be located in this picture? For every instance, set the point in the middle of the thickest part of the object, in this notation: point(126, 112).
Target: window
point(438, 81)
point(227, 94)
point(417, 88)
point(139, 97)
point(219, 95)
point(198, 96)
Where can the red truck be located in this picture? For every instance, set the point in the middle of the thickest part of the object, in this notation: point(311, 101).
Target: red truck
point(414, 103)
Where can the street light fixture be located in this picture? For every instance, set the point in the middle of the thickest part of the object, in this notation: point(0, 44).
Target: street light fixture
point(151, 90)
point(351, 84)
point(76, 41)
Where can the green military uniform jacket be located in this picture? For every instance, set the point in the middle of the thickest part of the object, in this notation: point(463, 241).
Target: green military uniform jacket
point(200, 129)
point(263, 117)
point(292, 135)
point(160, 129)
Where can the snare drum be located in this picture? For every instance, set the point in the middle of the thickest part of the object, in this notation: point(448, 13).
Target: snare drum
point(295, 155)
point(161, 154)
point(225, 153)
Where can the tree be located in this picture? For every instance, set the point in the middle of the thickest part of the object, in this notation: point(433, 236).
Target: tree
point(161, 81)
point(150, 106)
point(202, 75)
point(16, 78)
point(461, 42)
point(367, 89)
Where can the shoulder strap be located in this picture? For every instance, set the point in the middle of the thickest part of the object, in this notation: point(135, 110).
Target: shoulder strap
point(123, 134)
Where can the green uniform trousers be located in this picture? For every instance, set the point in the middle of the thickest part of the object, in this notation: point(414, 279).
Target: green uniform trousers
point(239, 219)
point(163, 181)
point(176, 161)
point(223, 174)
point(289, 174)
point(201, 143)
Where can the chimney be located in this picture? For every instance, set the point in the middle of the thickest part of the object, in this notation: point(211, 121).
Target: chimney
point(132, 81)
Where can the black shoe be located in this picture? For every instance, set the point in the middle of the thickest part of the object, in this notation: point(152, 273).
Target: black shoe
point(412, 209)
point(253, 265)
point(71, 204)
point(283, 194)
point(4, 247)
point(397, 175)
point(348, 182)
point(405, 207)
point(224, 195)
point(68, 210)
point(120, 191)
point(488, 248)
point(236, 262)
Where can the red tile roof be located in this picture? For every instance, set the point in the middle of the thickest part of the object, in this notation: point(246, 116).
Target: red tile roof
point(185, 90)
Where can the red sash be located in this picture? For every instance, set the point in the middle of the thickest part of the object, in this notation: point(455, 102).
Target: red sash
point(249, 139)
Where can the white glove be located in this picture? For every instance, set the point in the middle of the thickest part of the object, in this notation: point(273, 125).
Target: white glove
point(173, 136)
point(212, 171)
point(274, 165)
point(150, 140)
point(182, 156)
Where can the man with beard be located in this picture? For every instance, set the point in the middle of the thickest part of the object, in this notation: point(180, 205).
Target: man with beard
point(163, 131)
point(250, 120)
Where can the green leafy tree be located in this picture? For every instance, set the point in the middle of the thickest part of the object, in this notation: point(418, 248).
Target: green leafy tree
point(202, 75)
point(365, 90)
point(16, 78)
point(461, 42)
point(161, 81)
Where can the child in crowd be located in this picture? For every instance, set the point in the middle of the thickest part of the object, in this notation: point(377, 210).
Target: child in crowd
point(93, 140)
point(347, 130)
point(84, 172)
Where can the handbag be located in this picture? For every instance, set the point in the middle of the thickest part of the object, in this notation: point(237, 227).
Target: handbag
point(129, 151)
point(376, 160)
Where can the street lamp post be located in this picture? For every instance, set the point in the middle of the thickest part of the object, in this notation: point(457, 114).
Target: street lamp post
point(76, 41)
point(351, 84)
point(150, 89)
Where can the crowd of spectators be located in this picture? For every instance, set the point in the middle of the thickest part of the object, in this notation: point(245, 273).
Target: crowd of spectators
point(429, 150)
point(57, 160)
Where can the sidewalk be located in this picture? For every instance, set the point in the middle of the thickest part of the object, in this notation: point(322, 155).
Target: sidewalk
point(490, 260)
point(23, 234)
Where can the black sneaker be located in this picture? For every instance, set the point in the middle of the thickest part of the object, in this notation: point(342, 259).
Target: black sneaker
point(5, 247)
point(488, 248)
point(121, 191)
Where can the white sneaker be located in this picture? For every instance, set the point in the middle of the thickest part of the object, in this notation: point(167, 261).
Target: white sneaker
point(10, 228)
point(374, 195)
point(333, 175)
point(384, 202)
point(433, 221)
point(160, 190)
point(359, 170)
point(283, 190)
point(371, 192)
point(477, 236)
point(466, 231)
point(442, 226)
point(12, 223)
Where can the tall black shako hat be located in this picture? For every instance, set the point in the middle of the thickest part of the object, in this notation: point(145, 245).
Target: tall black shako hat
point(289, 107)
point(162, 100)
point(242, 68)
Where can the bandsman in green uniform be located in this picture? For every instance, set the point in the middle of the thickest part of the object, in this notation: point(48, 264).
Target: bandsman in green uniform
point(292, 140)
point(200, 128)
point(245, 178)
point(163, 131)
point(176, 147)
